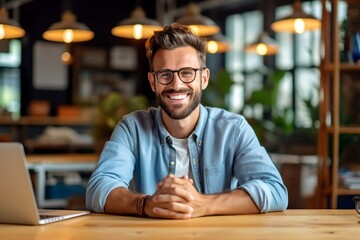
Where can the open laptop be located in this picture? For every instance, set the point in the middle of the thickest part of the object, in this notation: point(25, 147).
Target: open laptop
point(17, 199)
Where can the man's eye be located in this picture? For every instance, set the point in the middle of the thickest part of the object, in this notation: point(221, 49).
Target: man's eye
point(186, 73)
point(165, 75)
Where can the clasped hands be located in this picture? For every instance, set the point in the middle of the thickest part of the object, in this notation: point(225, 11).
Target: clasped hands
point(175, 198)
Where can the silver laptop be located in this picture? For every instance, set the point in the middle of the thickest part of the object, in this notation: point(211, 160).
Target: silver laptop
point(17, 199)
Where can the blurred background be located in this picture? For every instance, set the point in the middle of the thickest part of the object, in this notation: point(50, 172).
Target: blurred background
point(70, 69)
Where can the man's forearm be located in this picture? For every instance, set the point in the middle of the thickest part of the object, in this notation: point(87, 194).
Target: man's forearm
point(229, 203)
point(121, 201)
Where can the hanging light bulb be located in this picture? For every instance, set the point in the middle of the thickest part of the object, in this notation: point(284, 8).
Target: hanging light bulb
point(138, 26)
point(262, 49)
point(201, 25)
point(263, 46)
point(217, 44)
point(2, 32)
point(68, 30)
point(212, 46)
point(299, 25)
point(66, 57)
point(138, 29)
point(9, 28)
point(297, 22)
point(68, 35)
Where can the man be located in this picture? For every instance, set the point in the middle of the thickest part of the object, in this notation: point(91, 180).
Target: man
point(183, 160)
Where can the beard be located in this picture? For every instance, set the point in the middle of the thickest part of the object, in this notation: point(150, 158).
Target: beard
point(173, 113)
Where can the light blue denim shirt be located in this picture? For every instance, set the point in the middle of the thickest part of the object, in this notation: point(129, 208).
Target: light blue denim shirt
point(224, 154)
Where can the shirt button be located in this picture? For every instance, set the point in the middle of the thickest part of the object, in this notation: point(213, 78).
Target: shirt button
point(172, 163)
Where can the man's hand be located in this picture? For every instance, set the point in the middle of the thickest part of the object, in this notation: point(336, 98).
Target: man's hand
point(175, 198)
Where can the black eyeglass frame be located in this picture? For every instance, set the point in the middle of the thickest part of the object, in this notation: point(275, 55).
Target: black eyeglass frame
point(356, 199)
point(178, 73)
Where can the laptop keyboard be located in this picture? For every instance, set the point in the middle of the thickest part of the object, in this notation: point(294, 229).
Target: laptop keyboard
point(47, 216)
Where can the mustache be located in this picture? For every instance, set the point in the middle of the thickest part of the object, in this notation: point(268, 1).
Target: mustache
point(173, 91)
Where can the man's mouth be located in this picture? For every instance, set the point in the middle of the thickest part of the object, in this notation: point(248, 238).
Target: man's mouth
point(177, 96)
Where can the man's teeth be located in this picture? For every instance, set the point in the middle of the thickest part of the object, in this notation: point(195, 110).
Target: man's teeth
point(178, 97)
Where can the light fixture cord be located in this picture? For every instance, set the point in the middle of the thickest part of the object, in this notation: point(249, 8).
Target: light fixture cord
point(67, 5)
point(2, 3)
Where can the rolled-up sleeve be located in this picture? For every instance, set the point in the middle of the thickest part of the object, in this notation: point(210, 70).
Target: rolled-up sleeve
point(114, 169)
point(258, 175)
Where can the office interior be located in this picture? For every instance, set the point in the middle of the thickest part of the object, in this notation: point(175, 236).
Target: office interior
point(299, 90)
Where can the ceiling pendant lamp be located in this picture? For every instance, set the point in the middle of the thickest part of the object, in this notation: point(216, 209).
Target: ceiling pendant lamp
point(8, 27)
point(265, 46)
point(68, 30)
point(297, 22)
point(217, 43)
point(201, 25)
point(138, 26)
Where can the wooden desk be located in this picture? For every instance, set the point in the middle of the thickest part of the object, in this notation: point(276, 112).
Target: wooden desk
point(292, 224)
point(41, 164)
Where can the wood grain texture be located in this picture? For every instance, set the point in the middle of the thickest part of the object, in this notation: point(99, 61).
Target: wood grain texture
point(291, 224)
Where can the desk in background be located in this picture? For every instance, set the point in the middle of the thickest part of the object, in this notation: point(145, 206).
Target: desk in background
point(43, 164)
point(291, 224)
point(28, 129)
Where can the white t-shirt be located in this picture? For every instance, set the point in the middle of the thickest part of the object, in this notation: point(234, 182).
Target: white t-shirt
point(182, 156)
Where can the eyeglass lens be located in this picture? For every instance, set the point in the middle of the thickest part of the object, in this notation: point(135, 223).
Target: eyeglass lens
point(186, 75)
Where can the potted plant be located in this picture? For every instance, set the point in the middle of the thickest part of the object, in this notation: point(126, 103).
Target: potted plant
point(110, 110)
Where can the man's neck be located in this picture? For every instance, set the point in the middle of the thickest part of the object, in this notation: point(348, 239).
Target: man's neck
point(181, 128)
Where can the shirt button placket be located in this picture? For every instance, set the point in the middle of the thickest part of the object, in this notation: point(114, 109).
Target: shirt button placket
point(172, 167)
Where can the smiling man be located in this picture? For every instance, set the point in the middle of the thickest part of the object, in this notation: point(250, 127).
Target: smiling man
point(182, 159)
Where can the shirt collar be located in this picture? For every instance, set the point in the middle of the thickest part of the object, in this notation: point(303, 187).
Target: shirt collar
point(196, 134)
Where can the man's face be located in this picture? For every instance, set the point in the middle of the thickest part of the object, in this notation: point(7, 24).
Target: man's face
point(178, 99)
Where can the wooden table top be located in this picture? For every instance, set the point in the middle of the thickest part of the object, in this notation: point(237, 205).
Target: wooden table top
point(291, 224)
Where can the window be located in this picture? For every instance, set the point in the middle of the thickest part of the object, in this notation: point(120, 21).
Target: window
point(243, 29)
point(10, 80)
point(299, 56)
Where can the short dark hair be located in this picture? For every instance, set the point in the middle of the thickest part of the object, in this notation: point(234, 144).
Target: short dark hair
point(174, 36)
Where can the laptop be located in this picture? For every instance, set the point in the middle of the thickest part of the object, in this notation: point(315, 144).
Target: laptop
point(17, 199)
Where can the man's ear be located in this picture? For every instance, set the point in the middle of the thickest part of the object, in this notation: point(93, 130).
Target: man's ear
point(205, 78)
point(151, 79)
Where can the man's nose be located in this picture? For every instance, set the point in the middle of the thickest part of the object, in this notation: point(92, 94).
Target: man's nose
point(176, 80)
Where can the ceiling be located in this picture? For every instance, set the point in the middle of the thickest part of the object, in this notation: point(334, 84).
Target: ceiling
point(35, 16)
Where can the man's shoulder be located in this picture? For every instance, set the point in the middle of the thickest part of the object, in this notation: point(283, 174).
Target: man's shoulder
point(215, 113)
point(141, 114)
point(142, 117)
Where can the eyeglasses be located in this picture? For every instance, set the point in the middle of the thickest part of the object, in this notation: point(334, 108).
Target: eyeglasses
point(186, 75)
point(357, 203)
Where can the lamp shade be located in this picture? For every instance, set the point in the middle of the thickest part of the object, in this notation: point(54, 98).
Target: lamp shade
point(201, 25)
point(68, 30)
point(264, 46)
point(217, 43)
point(138, 26)
point(297, 22)
point(9, 28)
